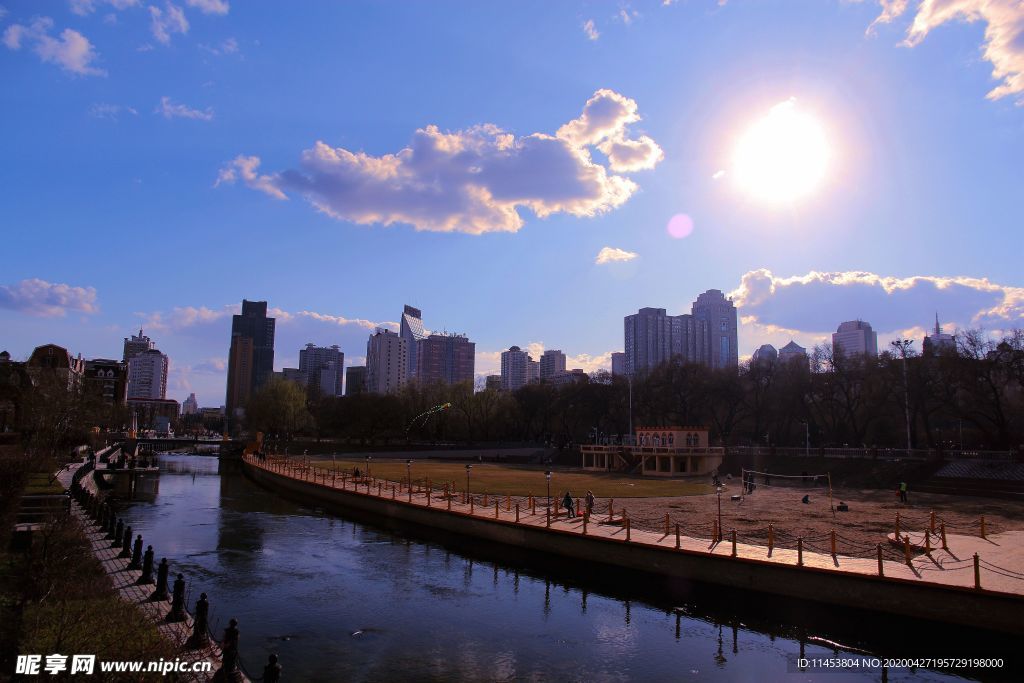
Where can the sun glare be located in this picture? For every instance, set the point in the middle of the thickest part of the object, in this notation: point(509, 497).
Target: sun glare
point(783, 157)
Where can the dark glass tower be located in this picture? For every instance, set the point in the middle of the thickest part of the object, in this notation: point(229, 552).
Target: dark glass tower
point(251, 358)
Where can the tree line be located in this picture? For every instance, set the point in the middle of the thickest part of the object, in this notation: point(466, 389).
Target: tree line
point(969, 396)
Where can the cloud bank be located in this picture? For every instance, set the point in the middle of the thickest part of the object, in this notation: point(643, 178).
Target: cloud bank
point(817, 302)
point(474, 180)
point(47, 299)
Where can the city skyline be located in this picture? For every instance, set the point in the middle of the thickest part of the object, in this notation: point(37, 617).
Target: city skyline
point(219, 164)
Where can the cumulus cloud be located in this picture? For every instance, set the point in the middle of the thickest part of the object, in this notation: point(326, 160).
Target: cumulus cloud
point(85, 7)
point(170, 110)
point(70, 51)
point(590, 30)
point(47, 299)
point(817, 302)
point(614, 254)
point(1003, 44)
point(473, 180)
point(164, 22)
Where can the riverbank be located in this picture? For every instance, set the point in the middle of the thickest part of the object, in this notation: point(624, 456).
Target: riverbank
point(201, 662)
point(945, 594)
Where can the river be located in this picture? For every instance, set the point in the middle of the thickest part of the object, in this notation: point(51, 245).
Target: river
point(339, 600)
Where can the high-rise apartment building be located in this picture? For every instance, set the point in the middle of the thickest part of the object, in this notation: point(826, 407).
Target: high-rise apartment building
point(618, 363)
point(720, 327)
point(411, 330)
point(492, 383)
point(355, 380)
point(552, 364)
point(135, 345)
point(855, 338)
point(147, 375)
point(190, 406)
point(445, 358)
point(386, 362)
point(515, 368)
point(765, 355)
point(324, 367)
point(251, 357)
point(707, 335)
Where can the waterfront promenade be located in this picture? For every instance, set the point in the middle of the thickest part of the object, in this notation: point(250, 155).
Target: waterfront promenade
point(125, 581)
point(944, 584)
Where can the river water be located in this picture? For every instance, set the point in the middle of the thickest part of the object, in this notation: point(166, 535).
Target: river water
point(338, 600)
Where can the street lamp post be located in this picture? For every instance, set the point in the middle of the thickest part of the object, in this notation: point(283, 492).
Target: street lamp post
point(468, 468)
point(547, 475)
point(719, 491)
point(904, 345)
point(807, 439)
point(408, 472)
point(368, 459)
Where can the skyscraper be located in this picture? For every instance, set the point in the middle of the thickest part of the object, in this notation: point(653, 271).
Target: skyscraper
point(707, 335)
point(386, 362)
point(251, 357)
point(718, 315)
point(147, 375)
point(855, 338)
point(515, 370)
point(445, 358)
point(135, 345)
point(552, 364)
point(355, 380)
point(793, 352)
point(324, 367)
point(938, 341)
point(764, 355)
point(618, 363)
point(411, 330)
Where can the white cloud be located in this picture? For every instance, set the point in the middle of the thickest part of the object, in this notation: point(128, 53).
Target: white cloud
point(164, 22)
point(209, 6)
point(228, 47)
point(47, 299)
point(817, 302)
point(170, 110)
point(111, 112)
point(70, 51)
point(590, 30)
point(1003, 44)
point(472, 181)
point(614, 254)
point(85, 7)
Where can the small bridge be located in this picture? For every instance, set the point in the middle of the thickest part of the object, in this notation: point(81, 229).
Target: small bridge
point(225, 448)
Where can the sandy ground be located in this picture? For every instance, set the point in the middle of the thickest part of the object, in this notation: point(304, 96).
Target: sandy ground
point(871, 516)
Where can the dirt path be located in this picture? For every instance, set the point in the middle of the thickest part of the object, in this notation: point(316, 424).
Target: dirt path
point(872, 514)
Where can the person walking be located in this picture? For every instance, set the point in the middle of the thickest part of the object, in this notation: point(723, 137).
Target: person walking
point(590, 502)
point(903, 492)
point(567, 504)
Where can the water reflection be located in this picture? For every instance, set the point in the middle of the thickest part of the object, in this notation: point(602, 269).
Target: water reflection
point(338, 600)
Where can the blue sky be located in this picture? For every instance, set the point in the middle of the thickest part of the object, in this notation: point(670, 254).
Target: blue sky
point(163, 160)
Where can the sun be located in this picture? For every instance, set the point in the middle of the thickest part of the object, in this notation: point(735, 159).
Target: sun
point(783, 157)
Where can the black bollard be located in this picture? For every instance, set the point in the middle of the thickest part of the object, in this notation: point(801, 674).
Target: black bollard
point(147, 568)
point(200, 637)
point(177, 612)
point(111, 523)
point(229, 649)
point(272, 671)
point(126, 543)
point(118, 534)
point(161, 581)
point(136, 561)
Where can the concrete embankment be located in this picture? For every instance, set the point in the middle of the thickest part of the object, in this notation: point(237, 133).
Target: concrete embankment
point(650, 555)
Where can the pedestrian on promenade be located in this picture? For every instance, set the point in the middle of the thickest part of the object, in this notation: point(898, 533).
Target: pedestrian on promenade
point(590, 502)
point(903, 492)
point(567, 504)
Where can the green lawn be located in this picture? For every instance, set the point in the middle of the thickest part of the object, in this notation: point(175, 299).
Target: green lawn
point(523, 480)
point(42, 483)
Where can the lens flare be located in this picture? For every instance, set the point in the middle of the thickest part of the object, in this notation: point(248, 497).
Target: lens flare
point(680, 226)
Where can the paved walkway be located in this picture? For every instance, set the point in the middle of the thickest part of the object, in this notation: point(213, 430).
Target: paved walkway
point(124, 581)
point(1000, 567)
